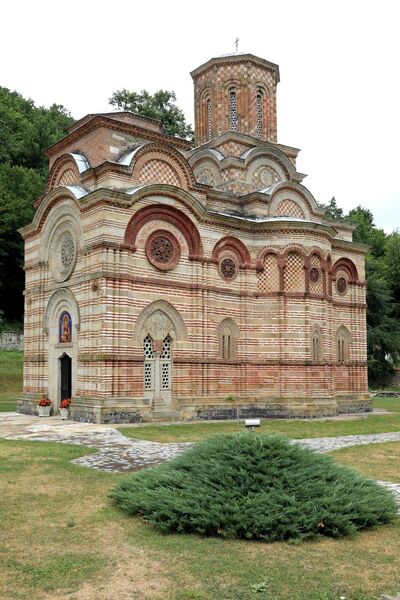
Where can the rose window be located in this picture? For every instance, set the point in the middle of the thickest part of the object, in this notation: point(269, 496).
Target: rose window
point(341, 285)
point(67, 251)
point(228, 268)
point(163, 249)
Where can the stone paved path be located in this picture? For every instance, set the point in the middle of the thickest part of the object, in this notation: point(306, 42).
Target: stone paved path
point(117, 454)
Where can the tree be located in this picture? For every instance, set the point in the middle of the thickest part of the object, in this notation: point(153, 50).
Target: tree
point(25, 131)
point(332, 210)
point(383, 329)
point(161, 106)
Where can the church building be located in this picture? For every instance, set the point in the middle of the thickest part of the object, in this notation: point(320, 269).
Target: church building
point(172, 280)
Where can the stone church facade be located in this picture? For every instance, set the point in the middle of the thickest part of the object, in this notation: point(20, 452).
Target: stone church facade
point(165, 280)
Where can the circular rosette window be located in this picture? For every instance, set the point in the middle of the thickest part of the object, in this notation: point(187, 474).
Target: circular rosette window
point(228, 268)
point(341, 285)
point(63, 254)
point(163, 250)
point(314, 275)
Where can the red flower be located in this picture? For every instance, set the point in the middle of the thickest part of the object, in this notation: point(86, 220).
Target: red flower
point(44, 402)
point(65, 403)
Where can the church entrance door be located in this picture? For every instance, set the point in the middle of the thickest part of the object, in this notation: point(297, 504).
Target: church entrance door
point(65, 376)
point(158, 372)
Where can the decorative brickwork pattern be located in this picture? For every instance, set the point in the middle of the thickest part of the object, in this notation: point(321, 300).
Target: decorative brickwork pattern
point(206, 176)
point(269, 279)
point(265, 177)
point(68, 177)
point(158, 171)
point(316, 276)
point(294, 273)
point(248, 78)
point(289, 208)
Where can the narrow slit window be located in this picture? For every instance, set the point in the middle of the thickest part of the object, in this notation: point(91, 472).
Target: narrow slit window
point(209, 131)
point(259, 114)
point(232, 111)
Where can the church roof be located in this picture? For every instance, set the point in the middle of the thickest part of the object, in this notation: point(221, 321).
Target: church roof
point(236, 57)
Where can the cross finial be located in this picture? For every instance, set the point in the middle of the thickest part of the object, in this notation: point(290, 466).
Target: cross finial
point(237, 44)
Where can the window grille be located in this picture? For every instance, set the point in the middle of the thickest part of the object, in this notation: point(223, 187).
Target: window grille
point(209, 119)
point(232, 111)
point(259, 113)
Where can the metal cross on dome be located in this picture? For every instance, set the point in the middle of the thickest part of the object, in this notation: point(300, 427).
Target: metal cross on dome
point(237, 44)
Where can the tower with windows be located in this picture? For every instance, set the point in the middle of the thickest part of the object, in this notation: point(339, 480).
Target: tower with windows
point(240, 92)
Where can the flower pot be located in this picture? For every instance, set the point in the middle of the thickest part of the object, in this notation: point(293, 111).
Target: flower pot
point(64, 413)
point(44, 411)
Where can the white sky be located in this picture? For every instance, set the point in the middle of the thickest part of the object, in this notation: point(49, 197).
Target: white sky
point(338, 100)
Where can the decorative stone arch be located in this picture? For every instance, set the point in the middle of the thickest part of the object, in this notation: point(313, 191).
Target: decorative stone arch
point(342, 345)
point(172, 323)
point(228, 335)
point(176, 165)
point(66, 170)
point(262, 255)
point(291, 190)
point(316, 344)
point(61, 301)
point(61, 226)
point(255, 157)
point(206, 110)
point(234, 245)
point(347, 265)
point(158, 328)
point(171, 215)
point(207, 172)
point(289, 203)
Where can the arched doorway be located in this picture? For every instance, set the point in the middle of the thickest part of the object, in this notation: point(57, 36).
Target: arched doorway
point(65, 376)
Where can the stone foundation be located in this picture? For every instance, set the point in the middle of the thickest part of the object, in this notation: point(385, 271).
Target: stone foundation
point(88, 410)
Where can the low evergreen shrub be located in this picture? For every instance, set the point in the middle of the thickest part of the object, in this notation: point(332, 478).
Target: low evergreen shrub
point(254, 487)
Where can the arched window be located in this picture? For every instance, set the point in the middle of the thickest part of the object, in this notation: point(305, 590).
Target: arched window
point(342, 345)
point(259, 114)
point(209, 130)
point(316, 344)
point(148, 363)
point(228, 334)
point(232, 111)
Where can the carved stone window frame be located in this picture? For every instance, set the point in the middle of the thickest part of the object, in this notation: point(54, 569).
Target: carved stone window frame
point(175, 254)
point(228, 256)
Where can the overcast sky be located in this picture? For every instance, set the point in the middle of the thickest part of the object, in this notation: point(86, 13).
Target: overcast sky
point(338, 100)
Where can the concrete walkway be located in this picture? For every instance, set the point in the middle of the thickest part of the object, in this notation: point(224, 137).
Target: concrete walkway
point(117, 454)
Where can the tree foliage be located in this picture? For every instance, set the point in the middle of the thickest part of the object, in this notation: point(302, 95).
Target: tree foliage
point(160, 105)
point(255, 487)
point(25, 131)
point(383, 293)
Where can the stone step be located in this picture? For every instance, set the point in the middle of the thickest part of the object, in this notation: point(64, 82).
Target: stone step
point(165, 415)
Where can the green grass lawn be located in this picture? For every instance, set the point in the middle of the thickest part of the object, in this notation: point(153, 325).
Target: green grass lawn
point(61, 538)
point(10, 379)
point(294, 428)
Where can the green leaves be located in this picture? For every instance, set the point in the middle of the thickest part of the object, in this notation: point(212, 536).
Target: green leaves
point(161, 106)
point(25, 131)
point(254, 487)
